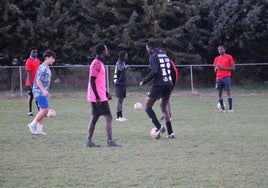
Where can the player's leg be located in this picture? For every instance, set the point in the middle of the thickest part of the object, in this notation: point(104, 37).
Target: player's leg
point(118, 105)
point(169, 108)
point(220, 87)
point(43, 103)
point(150, 112)
point(228, 92)
point(29, 101)
point(91, 125)
point(36, 126)
point(165, 100)
point(120, 94)
point(105, 110)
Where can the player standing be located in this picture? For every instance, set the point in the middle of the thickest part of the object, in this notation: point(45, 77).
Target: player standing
point(223, 66)
point(98, 97)
point(120, 81)
point(41, 92)
point(160, 73)
point(31, 66)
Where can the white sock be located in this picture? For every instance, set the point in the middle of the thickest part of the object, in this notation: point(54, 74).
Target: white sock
point(33, 123)
point(39, 127)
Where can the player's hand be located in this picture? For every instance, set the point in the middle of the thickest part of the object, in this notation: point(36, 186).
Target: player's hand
point(98, 102)
point(109, 97)
point(46, 93)
point(141, 84)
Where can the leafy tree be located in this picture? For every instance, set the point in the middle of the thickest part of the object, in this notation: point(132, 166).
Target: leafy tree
point(241, 25)
point(188, 30)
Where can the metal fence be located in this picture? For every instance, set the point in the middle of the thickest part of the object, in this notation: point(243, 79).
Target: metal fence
point(75, 77)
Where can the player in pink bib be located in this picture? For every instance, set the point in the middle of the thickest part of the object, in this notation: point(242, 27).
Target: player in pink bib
point(98, 97)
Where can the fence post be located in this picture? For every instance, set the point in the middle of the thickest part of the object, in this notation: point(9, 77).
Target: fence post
point(20, 81)
point(107, 78)
point(192, 79)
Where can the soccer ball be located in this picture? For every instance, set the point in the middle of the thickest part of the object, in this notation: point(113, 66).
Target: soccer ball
point(153, 132)
point(51, 113)
point(137, 106)
point(219, 106)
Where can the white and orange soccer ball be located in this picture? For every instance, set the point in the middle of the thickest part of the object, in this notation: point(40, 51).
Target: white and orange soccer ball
point(51, 113)
point(153, 132)
point(138, 106)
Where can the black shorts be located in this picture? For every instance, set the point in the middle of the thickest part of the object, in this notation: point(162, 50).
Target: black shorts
point(29, 90)
point(157, 92)
point(120, 91)
point(103, 109)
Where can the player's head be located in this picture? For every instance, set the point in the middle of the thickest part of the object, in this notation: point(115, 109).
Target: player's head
point(122, 55)
point(49, 56)
point(221, 49)
point(101, 50)
point(33, 52)
point(150, 47)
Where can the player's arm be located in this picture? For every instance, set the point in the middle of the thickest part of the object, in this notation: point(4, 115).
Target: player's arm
point(148, 78)
point(44, 90)
point(230, 68)
point(152, 73)
point(94, 88)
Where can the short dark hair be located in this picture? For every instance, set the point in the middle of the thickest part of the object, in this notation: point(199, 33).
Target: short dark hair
point(151, 44)
point(100, 47)
point(33, 48)
point(49, 53)
point(222, 45)
point(122, 54)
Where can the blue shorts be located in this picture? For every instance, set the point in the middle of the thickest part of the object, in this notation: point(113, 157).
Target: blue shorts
point(42, 102)
point(224, 83)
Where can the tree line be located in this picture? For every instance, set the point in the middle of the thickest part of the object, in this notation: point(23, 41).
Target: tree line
point(189, 30)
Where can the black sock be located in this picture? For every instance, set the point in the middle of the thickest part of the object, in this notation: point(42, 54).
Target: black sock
point(119, 114)
point(152, 116)
point(169, 127)
point(230, 101)
point(221, 102)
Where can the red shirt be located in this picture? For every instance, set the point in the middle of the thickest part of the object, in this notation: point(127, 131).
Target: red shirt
point(31, 66)
point(226, 61)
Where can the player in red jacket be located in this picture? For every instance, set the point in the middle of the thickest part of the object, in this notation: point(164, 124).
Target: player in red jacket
point(31, 67)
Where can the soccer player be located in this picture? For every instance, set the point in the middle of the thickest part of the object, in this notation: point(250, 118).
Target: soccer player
point(120, 81)
point(223, 66)
point(41, 92)
point(160, 73)
point(31, 67)
point(175, 78)
point(98, 97)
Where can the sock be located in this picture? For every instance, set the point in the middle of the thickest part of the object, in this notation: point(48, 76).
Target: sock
point(230, 101)
point(39, 127)
point(153, 118)
point(221, 102)
point(118, 114)
point(169, 127)
point(33, 123)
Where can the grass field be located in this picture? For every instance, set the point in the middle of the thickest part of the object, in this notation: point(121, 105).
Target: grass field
point(211, 149)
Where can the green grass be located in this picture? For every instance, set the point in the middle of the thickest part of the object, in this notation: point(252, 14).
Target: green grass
point(211, 149)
